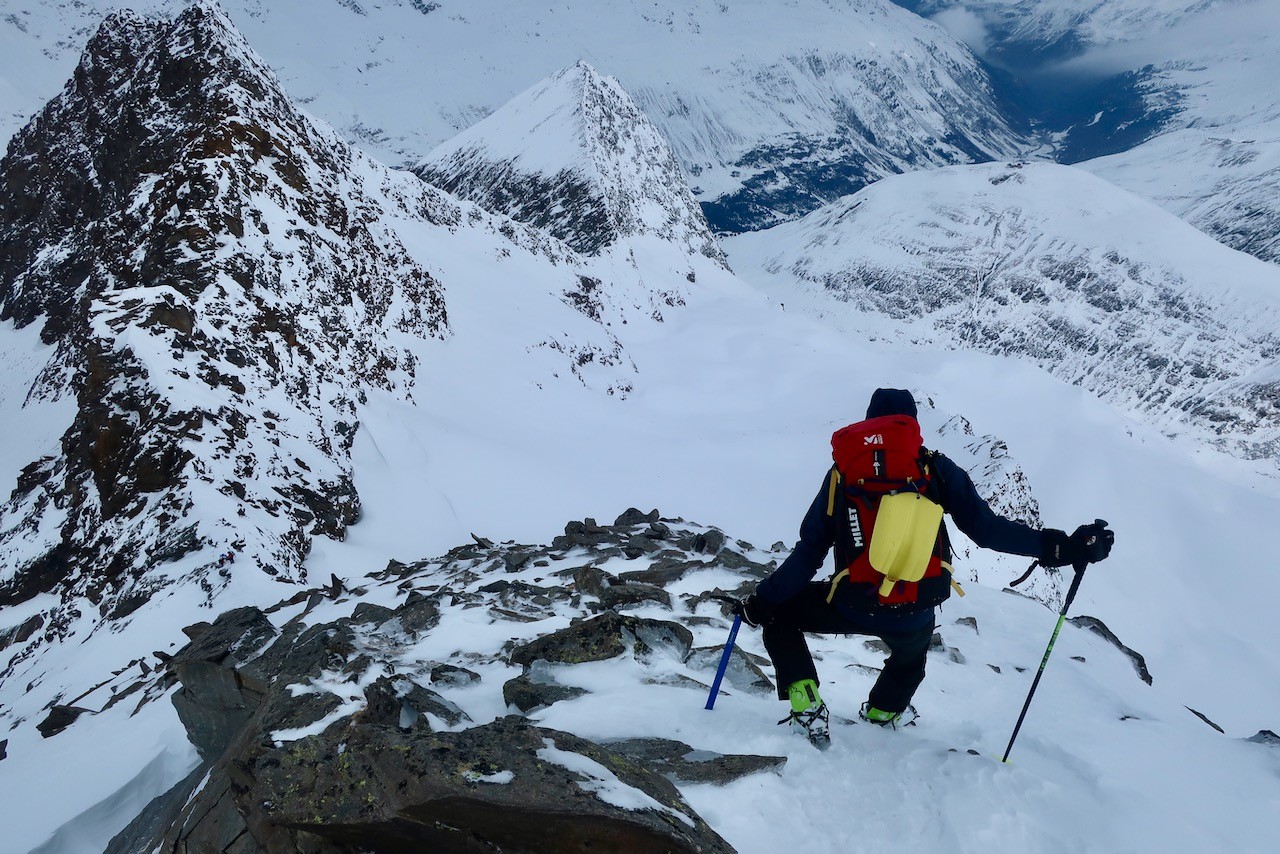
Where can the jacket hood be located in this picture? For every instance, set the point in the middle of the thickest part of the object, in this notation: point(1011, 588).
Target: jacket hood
point(891, 401)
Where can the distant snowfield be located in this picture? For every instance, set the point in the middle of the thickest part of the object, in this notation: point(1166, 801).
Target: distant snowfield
point(398, 80)
point(734, 401)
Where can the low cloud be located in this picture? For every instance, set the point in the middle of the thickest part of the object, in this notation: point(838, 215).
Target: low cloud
point(967, 26)
point(1216, 29)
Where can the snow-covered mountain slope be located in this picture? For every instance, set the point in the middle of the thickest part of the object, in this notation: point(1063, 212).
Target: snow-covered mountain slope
point(1224, 181)
point(200, 288)
point(1049, 264)
point(163, 223)
point(721, 414)
point(1218, 164)
point(774, 107)
point(448, 687)
point(1180, 94)
point(576, 157)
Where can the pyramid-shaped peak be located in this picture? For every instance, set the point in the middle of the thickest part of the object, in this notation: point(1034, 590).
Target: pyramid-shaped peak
point(575, 155)
point(193, 244)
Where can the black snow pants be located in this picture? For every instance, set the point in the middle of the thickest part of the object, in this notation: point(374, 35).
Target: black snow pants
point(906, 635)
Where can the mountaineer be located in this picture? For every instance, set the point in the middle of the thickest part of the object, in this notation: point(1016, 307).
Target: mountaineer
point(881, 506)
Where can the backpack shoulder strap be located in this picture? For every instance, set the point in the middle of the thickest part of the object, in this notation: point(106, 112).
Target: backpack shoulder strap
point(833, 488)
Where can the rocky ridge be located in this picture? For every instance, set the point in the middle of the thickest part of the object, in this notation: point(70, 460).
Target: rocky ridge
point(173, 223)
point(411, 710)
point(223, 281)
point(320, 731)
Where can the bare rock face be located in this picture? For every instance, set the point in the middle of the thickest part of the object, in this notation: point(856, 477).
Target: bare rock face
point(213, 270)
point(508, 785)
point(290, 766)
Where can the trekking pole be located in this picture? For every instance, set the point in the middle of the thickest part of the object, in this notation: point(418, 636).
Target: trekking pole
point(1062, 616)
point(724, 661)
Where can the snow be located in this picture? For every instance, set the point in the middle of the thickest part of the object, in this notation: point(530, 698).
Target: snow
point(732, 76)
point(733, 398)
point(499, 778)
point(604, 784)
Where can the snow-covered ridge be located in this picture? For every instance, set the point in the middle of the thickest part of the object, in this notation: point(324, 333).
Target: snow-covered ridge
point(1192, 109)
point(575, 156)
point(219, 286)
point(773, 107)
point(224, 281)
point(1050, 264)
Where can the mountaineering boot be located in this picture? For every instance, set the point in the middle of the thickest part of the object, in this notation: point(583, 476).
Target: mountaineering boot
point(872, 715)
point(809, 715)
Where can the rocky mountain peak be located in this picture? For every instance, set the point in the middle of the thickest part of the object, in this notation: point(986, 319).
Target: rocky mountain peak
point(574, 155)
point(215, 273)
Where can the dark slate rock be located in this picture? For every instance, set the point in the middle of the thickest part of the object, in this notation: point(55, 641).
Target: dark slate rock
point(532, 691)
point(515, 616)
point(214, 703)
point(1205, 718)
point(157, 817)
point(971, 622)
point(400, 702)
point(607, 636)
point(584, 534)
point(680, 763)
point(4, 748)
point(382, 789)
point(21, 633)
point(1100, 629)
point(195, 630)
point(59, 718)
point(730, 559)
point(716, 597)
point(448, 674)
point(302, 652)
point(663, 571)
point(592, 580)
point(658, 531)
point(282, 709)
point(418, 615)
point(709, 542)
point(623, 595)
point(514, 561)
point(638, 545)
point(1264, 736)
point(234, 637)
point(367, 612)
point(744, 671)
point(632, 517)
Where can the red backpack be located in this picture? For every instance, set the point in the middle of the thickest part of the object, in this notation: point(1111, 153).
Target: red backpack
point(874, 458)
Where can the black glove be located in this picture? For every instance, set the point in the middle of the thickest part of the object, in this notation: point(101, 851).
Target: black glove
point(755, 612)
point(1089, 544)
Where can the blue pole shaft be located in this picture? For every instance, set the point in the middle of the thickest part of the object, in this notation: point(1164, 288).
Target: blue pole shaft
point(724, 661)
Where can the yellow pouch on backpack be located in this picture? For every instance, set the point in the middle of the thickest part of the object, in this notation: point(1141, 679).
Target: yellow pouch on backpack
point(903, 537)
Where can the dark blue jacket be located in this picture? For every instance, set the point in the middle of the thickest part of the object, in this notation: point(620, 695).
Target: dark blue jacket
point(958, 498)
